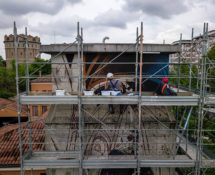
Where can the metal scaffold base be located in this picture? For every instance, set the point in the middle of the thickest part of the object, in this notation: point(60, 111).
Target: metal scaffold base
point(70, 160)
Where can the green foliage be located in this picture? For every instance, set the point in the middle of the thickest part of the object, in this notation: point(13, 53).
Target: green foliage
point(211, 53)
point(8, 81)
point(211, 56)
point(2, 62)
point(184, 75)
point(45, 70)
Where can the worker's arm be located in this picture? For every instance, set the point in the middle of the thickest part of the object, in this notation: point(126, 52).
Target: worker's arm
point(123, 88)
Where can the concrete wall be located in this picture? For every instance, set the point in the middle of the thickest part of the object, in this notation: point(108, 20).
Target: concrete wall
point(100, 141)
point(64, 70)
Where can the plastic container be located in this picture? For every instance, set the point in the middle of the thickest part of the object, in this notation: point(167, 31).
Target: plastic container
point(130, 94)
point(106, 92)
point(88, 93)
point(116, 93)
point(60, 92)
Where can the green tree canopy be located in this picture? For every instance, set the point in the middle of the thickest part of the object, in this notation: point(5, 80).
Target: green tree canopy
point(211, 56)
point(8, 75)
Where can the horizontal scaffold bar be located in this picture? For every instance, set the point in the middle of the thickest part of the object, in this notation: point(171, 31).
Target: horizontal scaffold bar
point(145, 100)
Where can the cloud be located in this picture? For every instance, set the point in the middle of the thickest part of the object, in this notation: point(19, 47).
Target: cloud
point(163, 8)
point(65, 26)
point(6, 21)
point(18, 7)
point(115, 18)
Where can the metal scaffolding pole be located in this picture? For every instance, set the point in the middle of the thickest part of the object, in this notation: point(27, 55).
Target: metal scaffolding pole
point(79, 102)
point(201, 103)
point(27, 60)
point(28, 89)
point(179, 62)
point(140, 96)
point(136, 65)
point(191, 56)
point(18, 99)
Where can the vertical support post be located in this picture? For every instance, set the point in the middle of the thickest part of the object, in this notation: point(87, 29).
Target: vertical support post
point(79, 104)
point(179, 74)
point(136, 65)
point(27, 61)
point(82, 88)
point(205, 59)
point(140, 96)
point(28, 88)
point(200, 111)
point(18, 98)
point(136, 74)
point(27, 92)
point(179, 62)
point(82, 60)
point(191, 58)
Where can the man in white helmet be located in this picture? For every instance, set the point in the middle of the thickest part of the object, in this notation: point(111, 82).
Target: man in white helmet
point(113, 84)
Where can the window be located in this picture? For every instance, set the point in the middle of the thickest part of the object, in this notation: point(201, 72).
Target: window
point(44, 109)
point(35, 110)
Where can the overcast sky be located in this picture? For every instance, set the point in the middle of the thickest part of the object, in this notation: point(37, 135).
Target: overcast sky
point(54, 21)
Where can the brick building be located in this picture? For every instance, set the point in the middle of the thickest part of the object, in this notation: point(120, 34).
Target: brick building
point(33, 48)
point(41, 85)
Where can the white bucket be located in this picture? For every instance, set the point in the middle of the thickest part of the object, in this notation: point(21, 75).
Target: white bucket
point(106, 93)
point(115, 93)
point(88, 93)
point(60, 92)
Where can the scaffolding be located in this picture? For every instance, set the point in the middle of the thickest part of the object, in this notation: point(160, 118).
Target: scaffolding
point(149, 141)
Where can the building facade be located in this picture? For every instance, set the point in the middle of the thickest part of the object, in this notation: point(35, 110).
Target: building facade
point(33, 48)
point(41, 85)
point(187, 53)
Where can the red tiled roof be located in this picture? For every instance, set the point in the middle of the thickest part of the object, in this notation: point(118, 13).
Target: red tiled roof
point(6, 103)
point(9, 141)
point(43, 79)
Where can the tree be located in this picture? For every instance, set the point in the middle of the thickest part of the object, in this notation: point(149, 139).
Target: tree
point(2, 62)
point(184, 75)
point(7, 83)
point(211, 56)
point(45, 70)
point(8, 75)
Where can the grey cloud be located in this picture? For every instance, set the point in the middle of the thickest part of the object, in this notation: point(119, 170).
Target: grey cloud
point(114, 18)
point(6, 21)
point(162, 8)
point(67, 26)
point(62, 27)
point(18, 7)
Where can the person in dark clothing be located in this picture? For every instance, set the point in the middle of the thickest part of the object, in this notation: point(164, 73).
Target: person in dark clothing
point(164, 88)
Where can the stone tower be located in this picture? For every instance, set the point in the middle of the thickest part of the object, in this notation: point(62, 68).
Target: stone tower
point(33, 48)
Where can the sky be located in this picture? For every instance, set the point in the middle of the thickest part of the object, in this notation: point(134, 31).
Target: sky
point(55, 21)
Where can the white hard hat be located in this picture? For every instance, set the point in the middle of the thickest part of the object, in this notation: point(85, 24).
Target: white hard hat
point(109, 75)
